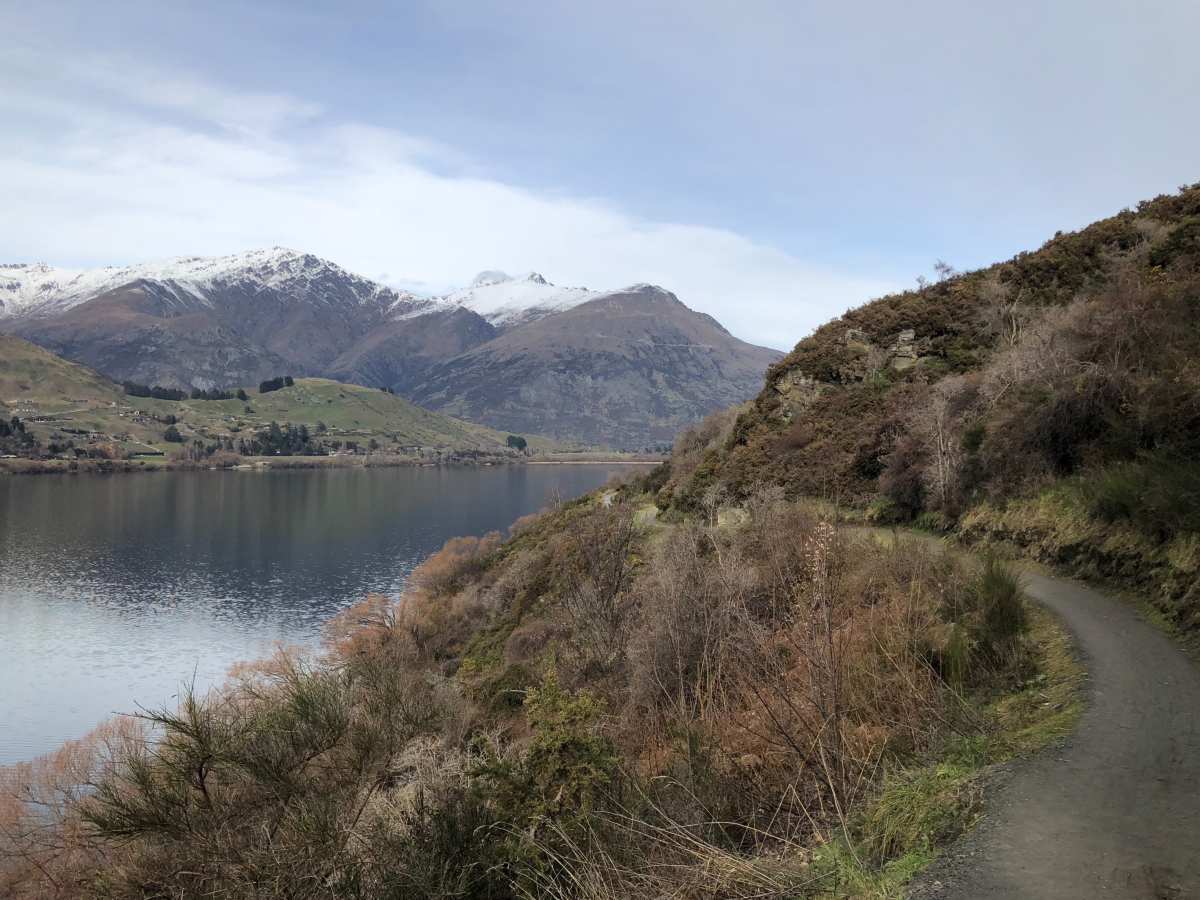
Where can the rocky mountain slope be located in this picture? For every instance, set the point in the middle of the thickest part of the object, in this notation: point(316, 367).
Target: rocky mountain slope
point(513, 353)
point(200, 322)
point(616, 369)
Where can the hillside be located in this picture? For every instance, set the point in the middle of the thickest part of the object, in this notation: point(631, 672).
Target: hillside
point(200, 322)
point(622, 369)
point(1050, 401)
point(61, 402)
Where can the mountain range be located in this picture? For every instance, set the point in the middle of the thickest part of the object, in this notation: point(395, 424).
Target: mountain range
point(622, 368)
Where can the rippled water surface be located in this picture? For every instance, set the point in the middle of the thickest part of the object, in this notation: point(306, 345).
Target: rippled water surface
point(114, 591)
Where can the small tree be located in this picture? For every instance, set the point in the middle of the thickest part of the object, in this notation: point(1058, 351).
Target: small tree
point(172, 435)
point(516, 442)
point(242, 395)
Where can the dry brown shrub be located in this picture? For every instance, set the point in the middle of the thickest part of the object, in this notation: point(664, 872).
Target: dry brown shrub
point(530, 639)
point(459, 560)
point(844, 680)
point(439, 625)
point(46, 851)
point(361, 628)
point(524, 523)
point(691, 622)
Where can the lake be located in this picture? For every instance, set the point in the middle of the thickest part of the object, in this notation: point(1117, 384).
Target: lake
point(114, 591)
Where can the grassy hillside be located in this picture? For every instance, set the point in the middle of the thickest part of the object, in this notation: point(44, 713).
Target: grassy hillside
point(62, 402)
point(1052, 401)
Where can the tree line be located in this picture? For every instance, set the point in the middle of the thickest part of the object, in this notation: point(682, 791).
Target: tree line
point(157, 392)
point(275, 384)
point(14, 438)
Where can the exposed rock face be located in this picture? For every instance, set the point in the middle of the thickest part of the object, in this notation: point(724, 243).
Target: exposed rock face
point(625, 368)
point(903, 354)
point(797, 392)
point(858, 358)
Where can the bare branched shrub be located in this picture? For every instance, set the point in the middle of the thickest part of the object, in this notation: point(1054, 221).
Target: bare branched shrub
point(361, 628)
point(46, 848)
point(598, 573)
point(842, 679)
point(691, 615)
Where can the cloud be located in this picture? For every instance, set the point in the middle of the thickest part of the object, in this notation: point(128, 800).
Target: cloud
point(107, 164)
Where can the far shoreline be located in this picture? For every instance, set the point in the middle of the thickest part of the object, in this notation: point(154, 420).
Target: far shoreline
point(14, 467)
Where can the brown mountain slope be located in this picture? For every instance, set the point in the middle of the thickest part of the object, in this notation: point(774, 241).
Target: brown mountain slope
point(1051, 401)
point(142, 332)
point(626, 369)
point(398, 353)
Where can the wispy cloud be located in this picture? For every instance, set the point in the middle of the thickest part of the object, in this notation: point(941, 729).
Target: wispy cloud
point(113, 162)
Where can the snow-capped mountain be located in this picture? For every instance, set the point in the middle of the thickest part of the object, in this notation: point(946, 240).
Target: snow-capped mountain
point(622, 368)
point(41, 290)
point(506, 301)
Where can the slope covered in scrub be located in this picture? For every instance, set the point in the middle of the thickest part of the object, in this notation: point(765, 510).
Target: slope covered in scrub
point(1052, 400)
point(595, 707)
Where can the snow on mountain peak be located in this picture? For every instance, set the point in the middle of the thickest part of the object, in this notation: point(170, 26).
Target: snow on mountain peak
point(39, 289)
point(490, 276)
point(505, 300)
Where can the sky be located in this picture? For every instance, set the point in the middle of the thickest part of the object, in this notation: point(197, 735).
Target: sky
point(772, 163)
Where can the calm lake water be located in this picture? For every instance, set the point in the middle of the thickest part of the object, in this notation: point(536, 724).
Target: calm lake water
point(114, 591)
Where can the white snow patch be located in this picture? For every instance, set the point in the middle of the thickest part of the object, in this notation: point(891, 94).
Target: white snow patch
point(38, 289)
point(506, 300)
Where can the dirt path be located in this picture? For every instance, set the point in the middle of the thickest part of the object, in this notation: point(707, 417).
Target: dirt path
point(1115, 812)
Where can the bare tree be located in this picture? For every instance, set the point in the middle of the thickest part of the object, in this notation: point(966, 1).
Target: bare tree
point(1002, 311)
point(592, 599)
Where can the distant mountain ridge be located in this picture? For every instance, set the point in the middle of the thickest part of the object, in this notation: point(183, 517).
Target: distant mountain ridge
point(489, 352)
point(39, 289)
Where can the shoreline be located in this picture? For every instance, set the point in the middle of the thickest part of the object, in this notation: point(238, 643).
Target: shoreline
point(17, 467)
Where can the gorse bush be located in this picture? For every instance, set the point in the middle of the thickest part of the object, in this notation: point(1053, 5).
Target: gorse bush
point(1159, 496)
point(1000, 617)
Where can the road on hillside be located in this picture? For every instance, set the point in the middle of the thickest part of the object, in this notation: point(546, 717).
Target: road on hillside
point(1115, 811)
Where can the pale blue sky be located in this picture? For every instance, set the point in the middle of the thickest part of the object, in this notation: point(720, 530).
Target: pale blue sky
point(772, 163)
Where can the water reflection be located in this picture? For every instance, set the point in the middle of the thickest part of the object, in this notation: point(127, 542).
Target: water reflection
point(114, 591)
